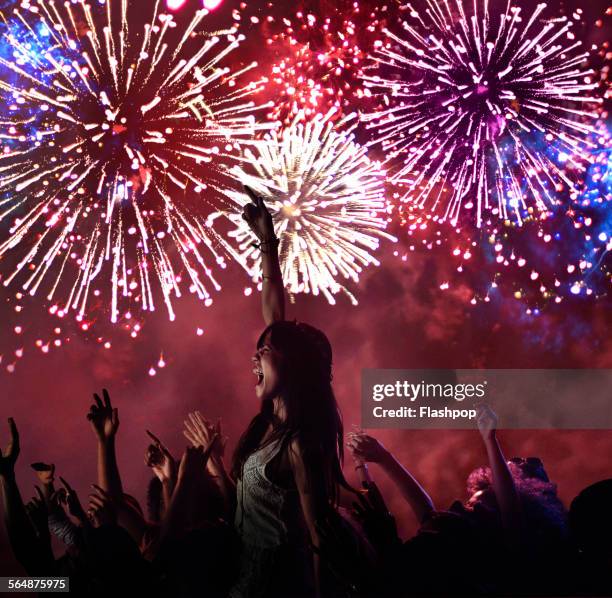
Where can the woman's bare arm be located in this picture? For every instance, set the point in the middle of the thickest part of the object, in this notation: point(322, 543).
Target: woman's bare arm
point(104, 420)
point(308, 504)
point(503, 483)
point(260, 222)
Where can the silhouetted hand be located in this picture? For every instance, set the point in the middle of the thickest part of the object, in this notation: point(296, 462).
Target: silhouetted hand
point(160, 460)
point(45, 472)
point(486, 419)
point(257, 216)
point(378, 522)
point(366, 448)
point(200, 432)
point(8, 457)
point(68, 497)
point(193, 463)
point(38, 513)
point(103, 417)
point(102, 509)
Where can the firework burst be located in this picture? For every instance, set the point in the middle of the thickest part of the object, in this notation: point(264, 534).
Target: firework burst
point(327, 200)
point(476, 109)
point(112, 142)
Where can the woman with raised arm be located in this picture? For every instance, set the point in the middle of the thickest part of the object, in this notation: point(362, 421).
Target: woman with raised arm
point(287, 465)
point(259, 219)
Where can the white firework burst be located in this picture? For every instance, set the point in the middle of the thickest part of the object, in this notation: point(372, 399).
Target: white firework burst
point(327, 199)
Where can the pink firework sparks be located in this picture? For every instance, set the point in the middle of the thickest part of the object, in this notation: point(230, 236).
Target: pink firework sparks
point(113, 138)
point(474, 109)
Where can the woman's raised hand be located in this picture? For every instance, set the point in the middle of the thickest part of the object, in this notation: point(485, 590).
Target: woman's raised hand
point(193, 463)
point(258, 217)
point(486, 420)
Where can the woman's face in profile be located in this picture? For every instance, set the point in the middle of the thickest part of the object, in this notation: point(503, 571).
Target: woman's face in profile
point(267, 367)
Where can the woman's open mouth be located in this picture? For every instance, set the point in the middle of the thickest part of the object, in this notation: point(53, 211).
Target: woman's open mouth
point(260, 377)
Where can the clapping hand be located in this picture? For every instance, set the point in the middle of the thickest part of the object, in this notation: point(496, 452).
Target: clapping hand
point(200, 432)
point(194, 460)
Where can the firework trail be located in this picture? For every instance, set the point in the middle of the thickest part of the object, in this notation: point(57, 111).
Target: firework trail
point(327, 200)
point(112, 141)
point(473, 106)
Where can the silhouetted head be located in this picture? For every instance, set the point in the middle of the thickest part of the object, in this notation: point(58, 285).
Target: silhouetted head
point(590, 518)
point(531, 467)
point(544, 512)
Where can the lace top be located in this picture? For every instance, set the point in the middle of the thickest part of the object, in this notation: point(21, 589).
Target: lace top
point(267, 515)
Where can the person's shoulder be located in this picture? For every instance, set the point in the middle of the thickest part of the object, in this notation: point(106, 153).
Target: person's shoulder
point(295, 449)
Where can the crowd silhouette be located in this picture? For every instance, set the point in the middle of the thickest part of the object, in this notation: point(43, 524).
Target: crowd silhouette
point(512, 536)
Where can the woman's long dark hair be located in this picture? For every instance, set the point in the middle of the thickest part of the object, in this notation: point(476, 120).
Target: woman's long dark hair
point(312, 414)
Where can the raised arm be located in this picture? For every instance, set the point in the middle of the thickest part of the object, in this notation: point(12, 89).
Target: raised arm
point(503, 484)
point(366, 448)
point(28, 549)
point(104, 420)
point(260, 222)
point(361, 466)
point(161, 461)
point(60, 524)
point(200, 432)
point(191, 470)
